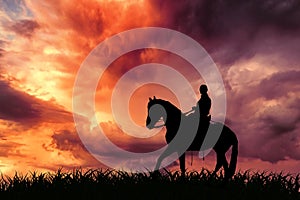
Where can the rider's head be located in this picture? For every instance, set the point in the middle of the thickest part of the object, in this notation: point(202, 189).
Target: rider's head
point(203, 89)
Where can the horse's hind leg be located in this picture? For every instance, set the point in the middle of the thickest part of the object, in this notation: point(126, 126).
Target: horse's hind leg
point(182, 163)
point(218, 165)
point(221, 161)
point(225, 164)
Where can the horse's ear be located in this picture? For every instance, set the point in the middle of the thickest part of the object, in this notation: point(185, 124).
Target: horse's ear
point(154, 97)
point(150, 99)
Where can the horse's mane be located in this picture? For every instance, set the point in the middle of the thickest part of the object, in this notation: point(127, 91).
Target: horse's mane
point(168, 104)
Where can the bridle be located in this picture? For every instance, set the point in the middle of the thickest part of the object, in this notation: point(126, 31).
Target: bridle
point(159, 126)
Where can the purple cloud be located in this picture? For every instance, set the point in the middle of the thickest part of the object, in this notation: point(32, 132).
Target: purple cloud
point(16, 105)
point(268, 129)
point(24, 27)
point(233, 30)
point(280, 84)
point(20, 107)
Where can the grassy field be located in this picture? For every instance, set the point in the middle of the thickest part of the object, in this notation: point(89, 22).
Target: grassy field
point(110, 184)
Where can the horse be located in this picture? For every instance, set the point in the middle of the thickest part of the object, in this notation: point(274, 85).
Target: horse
point(172, 117)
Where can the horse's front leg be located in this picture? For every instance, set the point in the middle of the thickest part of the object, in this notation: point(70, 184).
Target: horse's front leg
point(182, 163)
point(158, 163)
point(169, 150)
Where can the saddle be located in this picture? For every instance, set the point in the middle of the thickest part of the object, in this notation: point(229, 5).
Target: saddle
point(204, 123)
point(201, 132)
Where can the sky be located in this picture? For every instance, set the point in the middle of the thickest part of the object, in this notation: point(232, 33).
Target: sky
point(254, 44)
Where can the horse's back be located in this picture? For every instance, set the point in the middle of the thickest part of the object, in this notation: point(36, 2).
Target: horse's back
point(214, 128)
point(221, 131)
point(226, 138)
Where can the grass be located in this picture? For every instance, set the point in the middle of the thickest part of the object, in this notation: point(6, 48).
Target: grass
point(110, 184)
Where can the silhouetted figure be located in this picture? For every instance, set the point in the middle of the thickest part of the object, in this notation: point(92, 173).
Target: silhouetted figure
point(203, 106)
point(173, 117)
point(204, 102)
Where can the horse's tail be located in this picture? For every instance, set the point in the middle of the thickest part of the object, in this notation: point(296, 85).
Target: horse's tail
point(233, 158)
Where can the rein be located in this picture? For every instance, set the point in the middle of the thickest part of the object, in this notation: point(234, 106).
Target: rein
point(188, 112)
point(159, 126)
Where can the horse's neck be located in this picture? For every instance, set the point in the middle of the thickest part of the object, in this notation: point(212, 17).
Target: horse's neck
point(172, 123)
point(172, 112)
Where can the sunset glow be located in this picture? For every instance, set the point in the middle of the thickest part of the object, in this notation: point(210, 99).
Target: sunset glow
point(43, 44)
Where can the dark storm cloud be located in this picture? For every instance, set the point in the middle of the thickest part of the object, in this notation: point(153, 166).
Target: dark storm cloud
point(269, 132)
point(235, 25)
point(66, 140)
point(18, 106)
point(24, 27)
point(280, 84)
point(69, 141)
point(285, 117)
point(217, 18)
point(282, 119)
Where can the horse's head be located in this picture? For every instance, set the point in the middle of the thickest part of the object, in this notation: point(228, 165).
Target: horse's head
point(156, 112)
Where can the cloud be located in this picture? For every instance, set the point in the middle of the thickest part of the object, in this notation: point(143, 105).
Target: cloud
point(266, 117)
point(1, 52)
point(16, 105)
point(8, 148)
point(66, 140)
point(280, 84)
point(88, 23)
point(130, 143)
point(24, 27)
point(232, 30)
point(25, 109)
point(69, 141)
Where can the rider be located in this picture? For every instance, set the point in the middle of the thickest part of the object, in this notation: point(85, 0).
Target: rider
point(204, 105)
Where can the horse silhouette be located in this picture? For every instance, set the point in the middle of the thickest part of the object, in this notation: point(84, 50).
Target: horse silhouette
point(172, 118)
